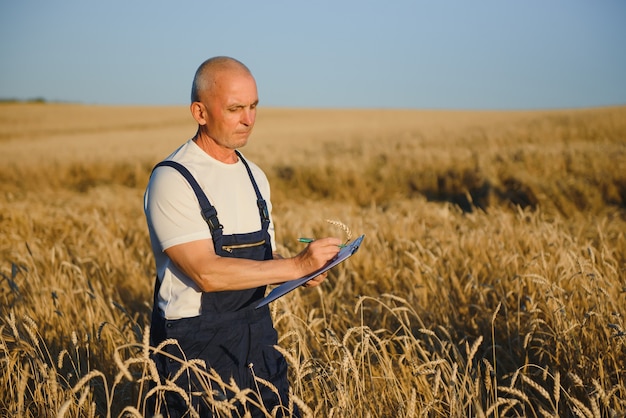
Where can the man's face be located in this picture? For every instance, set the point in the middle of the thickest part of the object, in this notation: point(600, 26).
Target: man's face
point(230, 109)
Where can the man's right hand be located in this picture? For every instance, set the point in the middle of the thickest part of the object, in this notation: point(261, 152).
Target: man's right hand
point(315, 256)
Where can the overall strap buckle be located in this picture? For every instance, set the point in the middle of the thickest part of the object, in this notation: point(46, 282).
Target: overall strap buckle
point(210, 216)
point(265, 215)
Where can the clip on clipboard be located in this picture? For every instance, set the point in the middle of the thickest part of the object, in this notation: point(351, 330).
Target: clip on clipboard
point(287, 287)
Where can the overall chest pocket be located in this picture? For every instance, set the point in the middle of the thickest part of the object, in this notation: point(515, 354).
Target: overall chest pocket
point(232, 248)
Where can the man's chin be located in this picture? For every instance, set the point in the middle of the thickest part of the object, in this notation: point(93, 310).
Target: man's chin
point(238, 144)
point(241, 140)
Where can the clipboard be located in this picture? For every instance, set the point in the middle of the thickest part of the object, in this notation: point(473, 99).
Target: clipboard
point(287, 287)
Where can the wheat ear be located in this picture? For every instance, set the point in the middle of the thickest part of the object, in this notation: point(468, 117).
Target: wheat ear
point(343, 226)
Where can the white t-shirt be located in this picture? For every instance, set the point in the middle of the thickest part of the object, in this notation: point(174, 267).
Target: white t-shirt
point(173, 216)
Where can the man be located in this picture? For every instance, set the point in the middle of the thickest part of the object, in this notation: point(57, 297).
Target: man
point(213, 246)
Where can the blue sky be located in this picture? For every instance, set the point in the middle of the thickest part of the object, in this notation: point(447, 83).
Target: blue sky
point(491, 54)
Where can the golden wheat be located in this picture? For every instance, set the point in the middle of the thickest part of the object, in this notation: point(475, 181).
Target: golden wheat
point(489, 282)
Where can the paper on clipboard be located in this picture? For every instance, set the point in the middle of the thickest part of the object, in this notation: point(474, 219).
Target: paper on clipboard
point(287, 287)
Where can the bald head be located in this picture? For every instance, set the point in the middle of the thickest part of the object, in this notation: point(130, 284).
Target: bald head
point(210, 70)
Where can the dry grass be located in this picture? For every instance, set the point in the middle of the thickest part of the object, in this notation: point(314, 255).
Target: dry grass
point(490, 282)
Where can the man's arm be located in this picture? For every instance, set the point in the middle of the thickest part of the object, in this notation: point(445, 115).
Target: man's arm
point(213, 273)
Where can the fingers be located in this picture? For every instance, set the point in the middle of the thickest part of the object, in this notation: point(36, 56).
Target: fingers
point(325, 248)
point(317, 254)
point(317, 280)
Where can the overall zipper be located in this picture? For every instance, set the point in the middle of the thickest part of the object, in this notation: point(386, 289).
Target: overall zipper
point(230, 248)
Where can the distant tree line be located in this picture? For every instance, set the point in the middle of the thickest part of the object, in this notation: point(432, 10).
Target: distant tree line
point(33, 100)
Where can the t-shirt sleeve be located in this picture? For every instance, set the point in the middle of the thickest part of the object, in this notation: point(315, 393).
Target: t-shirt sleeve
point(172, 209)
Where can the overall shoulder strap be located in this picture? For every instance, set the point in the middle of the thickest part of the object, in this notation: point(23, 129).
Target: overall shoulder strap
point(208, 211)
point(260, 202)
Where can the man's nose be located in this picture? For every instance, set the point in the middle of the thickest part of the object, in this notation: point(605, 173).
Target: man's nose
point(247, 117)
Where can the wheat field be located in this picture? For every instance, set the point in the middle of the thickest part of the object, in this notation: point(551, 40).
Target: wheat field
point(491, 281)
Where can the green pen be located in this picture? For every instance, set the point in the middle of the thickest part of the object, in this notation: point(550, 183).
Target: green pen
point(310, 240)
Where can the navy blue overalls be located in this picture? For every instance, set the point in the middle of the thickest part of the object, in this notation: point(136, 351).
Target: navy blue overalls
point(230, 335)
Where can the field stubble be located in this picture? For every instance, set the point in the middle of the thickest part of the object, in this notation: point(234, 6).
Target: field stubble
point(490, 282)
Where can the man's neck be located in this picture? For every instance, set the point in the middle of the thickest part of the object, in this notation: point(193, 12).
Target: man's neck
point(208, 145)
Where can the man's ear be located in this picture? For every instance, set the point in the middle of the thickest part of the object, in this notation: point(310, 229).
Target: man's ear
point(199, 113)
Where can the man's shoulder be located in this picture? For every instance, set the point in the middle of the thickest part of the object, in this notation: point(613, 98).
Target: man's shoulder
point(184, 153)
point(254, 167)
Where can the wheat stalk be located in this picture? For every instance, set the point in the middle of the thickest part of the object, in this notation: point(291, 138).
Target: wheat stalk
point(488, 382)
point(172, 387)
point(87, 378)
point(472, 352)
point(580, 409)
point(536, 386)
point(304, 408)
point(13, 325)
point(63, 409)
point(438, 382)
point(121, 366)
point(557, 389)
point(412, 405)
point(264, 382)
point(343, 226)
point(427, 332)
point(546, 414)
point(62, 355)
point(500, 402)
point(31, 329)
point(514, 392)
point(132, 412)
point(83, 397)
point(145, 344)
point(576, 379)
